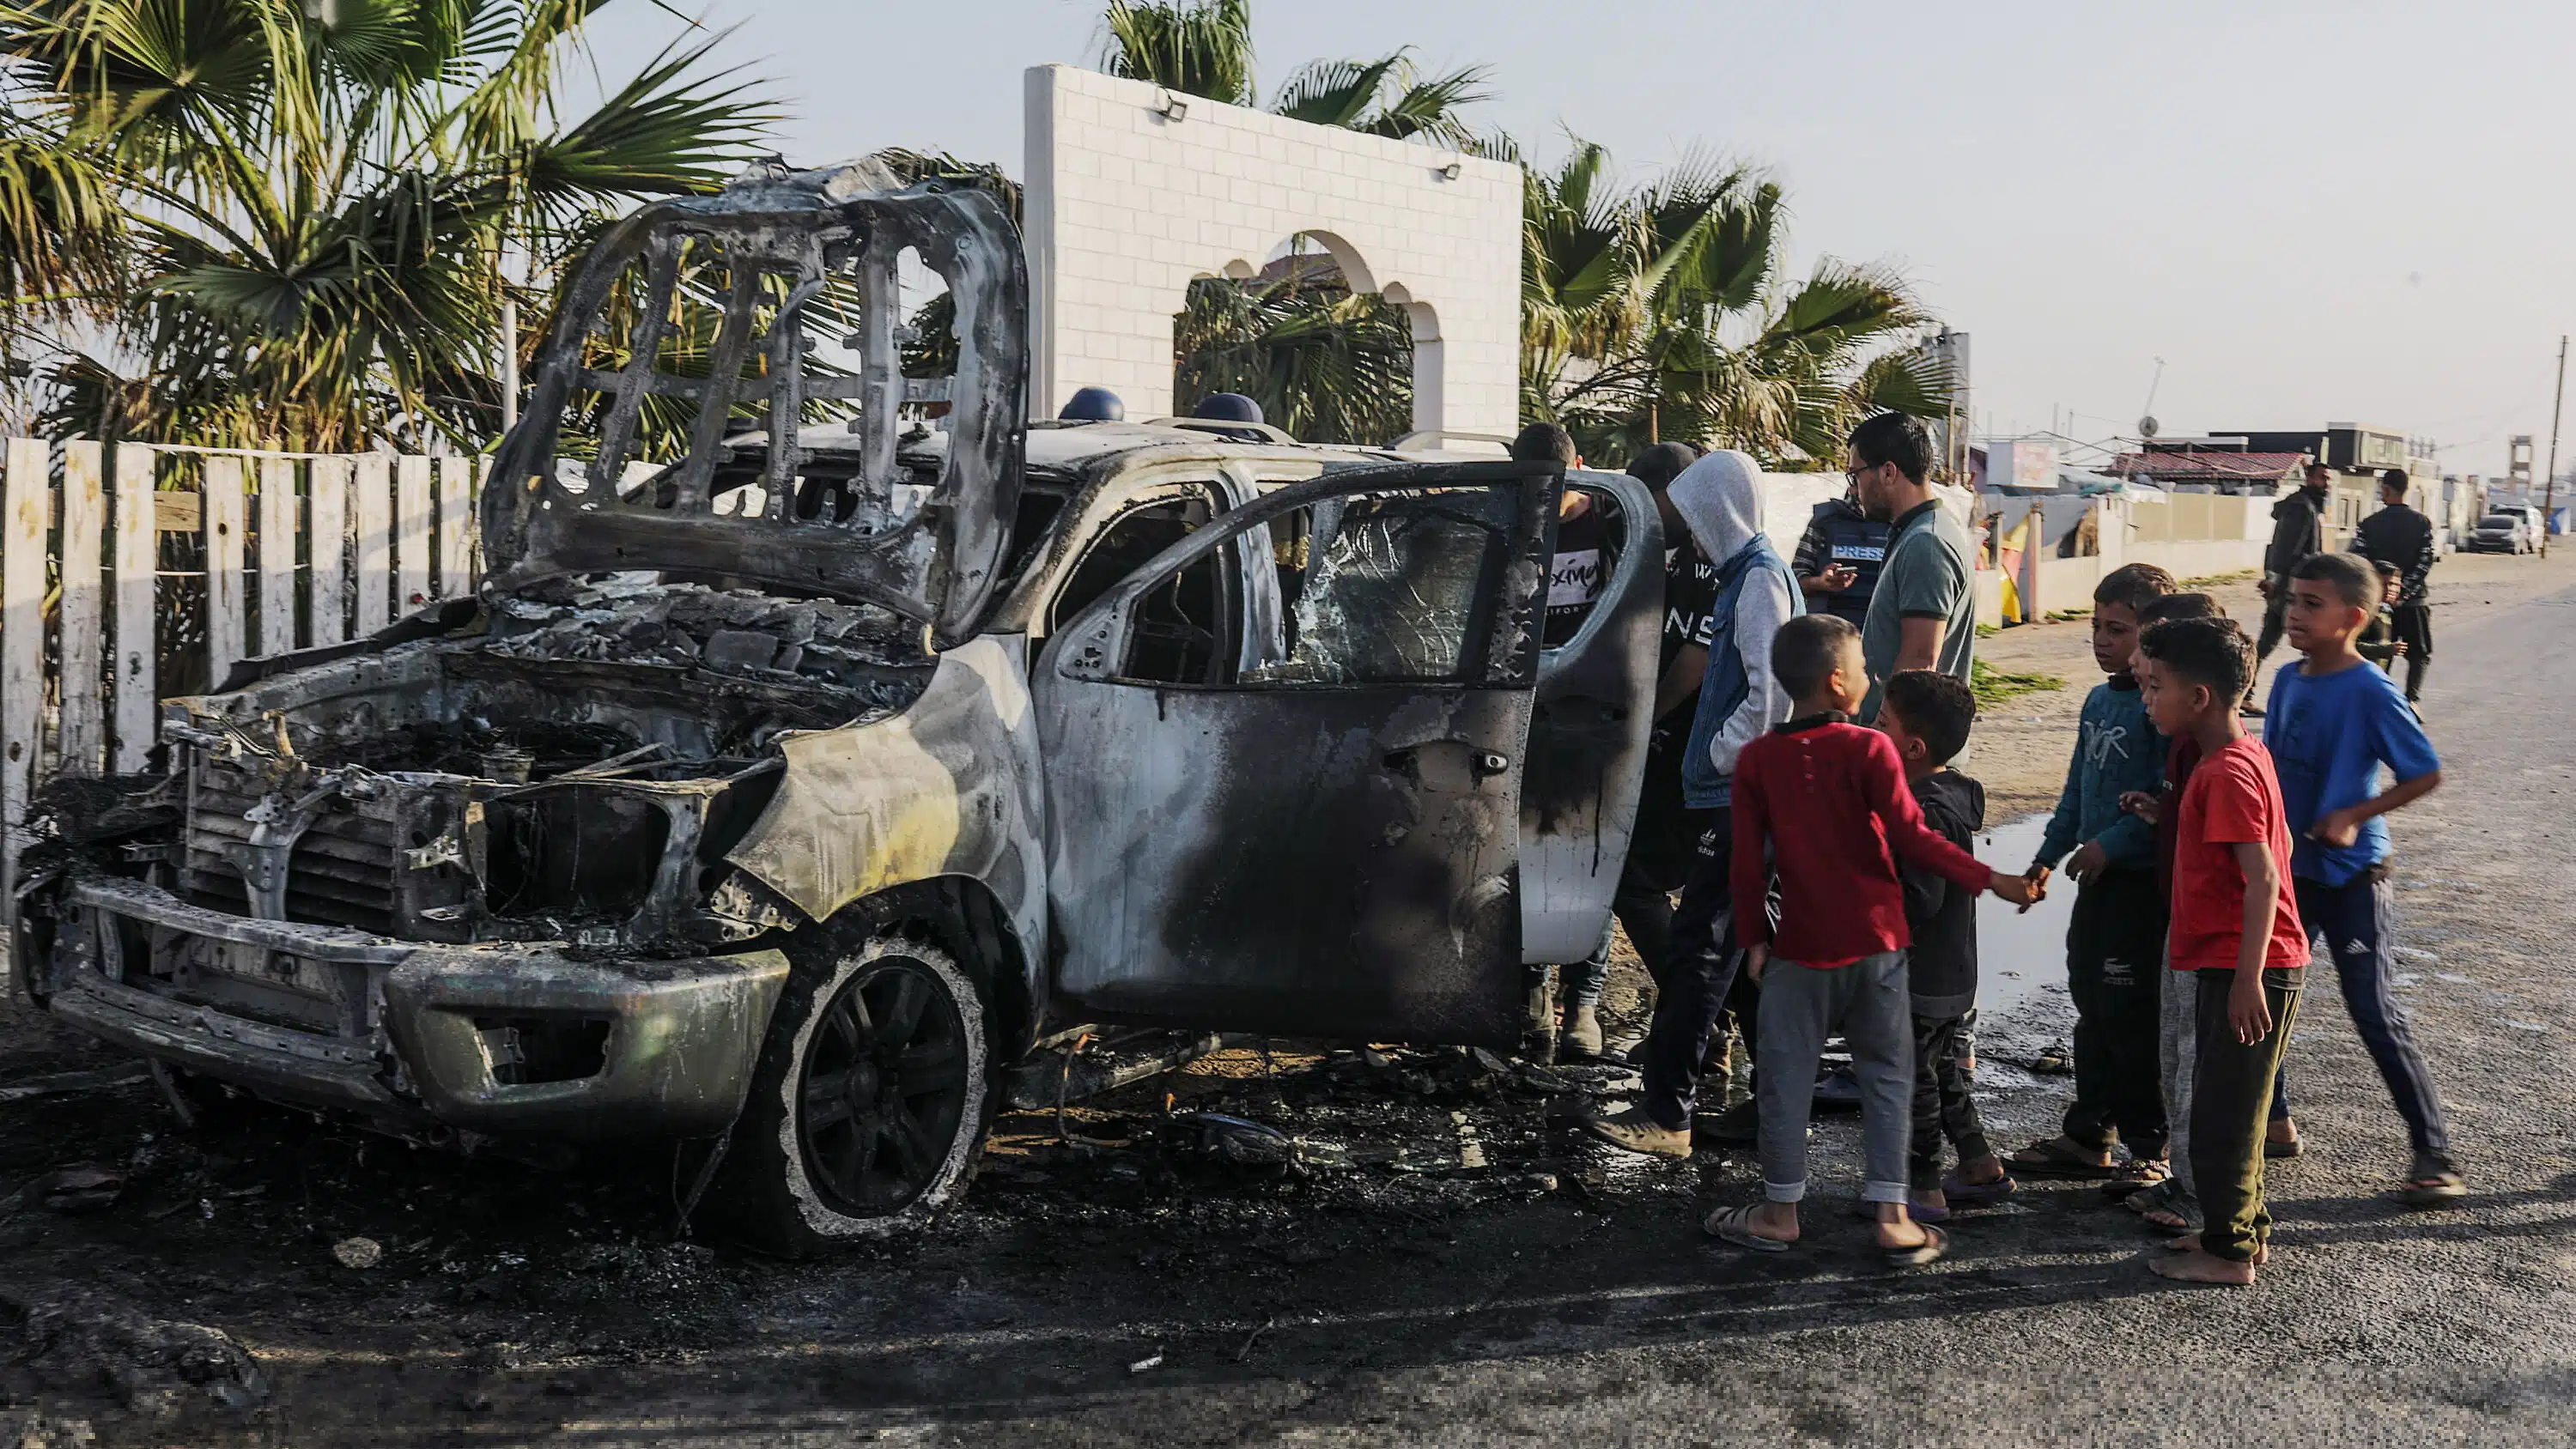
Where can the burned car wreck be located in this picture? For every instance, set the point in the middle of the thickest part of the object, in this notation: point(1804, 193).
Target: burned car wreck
point(776, 795)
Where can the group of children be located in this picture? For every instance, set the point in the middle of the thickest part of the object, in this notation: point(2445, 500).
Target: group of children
point(2203, 858)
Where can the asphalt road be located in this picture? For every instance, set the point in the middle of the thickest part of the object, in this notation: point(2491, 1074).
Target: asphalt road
point(1116, 1298)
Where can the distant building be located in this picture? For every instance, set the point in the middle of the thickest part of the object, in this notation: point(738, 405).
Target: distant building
point(2212, 465)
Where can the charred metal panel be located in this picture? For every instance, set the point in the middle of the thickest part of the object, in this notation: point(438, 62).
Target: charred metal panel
point(1336, 863)
point(1330, 844)
point(423, 1028)
point(1587, 743)
point(948, 787)
point(678, 1049)
point(842, 521)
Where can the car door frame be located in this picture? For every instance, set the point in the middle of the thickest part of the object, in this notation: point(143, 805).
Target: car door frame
point(1273, 900)
point(1589, 735)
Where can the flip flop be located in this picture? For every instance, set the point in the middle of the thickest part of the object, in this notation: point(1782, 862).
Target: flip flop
point(1935, 1243)
point(1977, 1194)
point(1734, 1225)
point(2296, 1146)
point(2434, 1190)
point(2053, 1157)
point(2137, 1173)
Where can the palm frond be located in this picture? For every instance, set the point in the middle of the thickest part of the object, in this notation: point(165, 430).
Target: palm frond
point(670, 130)
point(62, 233)
point(1426, 108)
point(1197, 47)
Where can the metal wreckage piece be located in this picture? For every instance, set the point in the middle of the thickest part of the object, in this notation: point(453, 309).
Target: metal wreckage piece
point(492, 870)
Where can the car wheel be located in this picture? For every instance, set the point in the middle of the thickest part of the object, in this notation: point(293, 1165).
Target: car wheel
point(868, 1110)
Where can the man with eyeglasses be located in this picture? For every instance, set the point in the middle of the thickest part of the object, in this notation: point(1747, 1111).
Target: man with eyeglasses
point(1923, 614)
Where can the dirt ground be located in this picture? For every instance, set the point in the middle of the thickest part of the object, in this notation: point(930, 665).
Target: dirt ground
point(1270, 1221)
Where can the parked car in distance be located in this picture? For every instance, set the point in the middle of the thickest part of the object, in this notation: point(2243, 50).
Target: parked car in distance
point(2501, 533)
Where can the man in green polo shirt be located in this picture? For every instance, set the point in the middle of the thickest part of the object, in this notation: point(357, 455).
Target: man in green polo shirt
point(1923, 615)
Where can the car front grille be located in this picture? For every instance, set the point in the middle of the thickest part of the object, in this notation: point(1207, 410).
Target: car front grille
point(340, 874)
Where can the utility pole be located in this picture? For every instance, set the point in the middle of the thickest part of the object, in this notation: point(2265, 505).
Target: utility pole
point(2549, 489)
point(509, 363)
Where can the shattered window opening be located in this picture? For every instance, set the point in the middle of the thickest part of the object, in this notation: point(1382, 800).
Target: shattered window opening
point(1183, 629)
point(1398, 586)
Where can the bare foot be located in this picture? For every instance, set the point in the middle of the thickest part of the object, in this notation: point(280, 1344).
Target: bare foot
point(1982, 1171)
point(2190, 1243)
point(2284, 1132)
point(1777, 1221)
point(1897, 1229)
point(1932, 1199)
point(2196, 1266)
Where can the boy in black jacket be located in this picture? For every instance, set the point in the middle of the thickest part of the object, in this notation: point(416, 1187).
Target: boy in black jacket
point(1927, 715)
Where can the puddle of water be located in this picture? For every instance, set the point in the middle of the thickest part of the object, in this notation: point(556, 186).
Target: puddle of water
point(2020, 956)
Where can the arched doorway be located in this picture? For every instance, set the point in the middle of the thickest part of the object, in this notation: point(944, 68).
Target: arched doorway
point(1306, 334)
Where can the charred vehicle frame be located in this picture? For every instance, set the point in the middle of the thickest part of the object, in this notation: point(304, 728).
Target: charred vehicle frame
point(777, 798)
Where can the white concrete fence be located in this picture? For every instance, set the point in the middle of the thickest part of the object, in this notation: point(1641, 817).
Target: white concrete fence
point(298, 550)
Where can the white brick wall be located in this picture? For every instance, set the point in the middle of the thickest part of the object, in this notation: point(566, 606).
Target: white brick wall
point(1124, 208)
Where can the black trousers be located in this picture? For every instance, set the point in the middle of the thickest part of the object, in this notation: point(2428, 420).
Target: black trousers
point(1661, 855)
point(2115, 941)
point(2274, 625)
point(1700, 972)
point(2231, 1094)
point(1944, 1106)
point(2414, 630)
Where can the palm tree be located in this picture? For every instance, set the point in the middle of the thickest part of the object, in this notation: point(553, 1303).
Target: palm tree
point(1659, 311)
point(316, 201)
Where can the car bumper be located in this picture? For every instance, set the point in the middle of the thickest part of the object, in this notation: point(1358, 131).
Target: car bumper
point(431, 1032)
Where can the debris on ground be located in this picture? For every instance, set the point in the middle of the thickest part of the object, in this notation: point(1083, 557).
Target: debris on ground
point(154, 1365)
point(33, 1429)
point(358, 1252)
point(82, 1188)
point(63, 1084)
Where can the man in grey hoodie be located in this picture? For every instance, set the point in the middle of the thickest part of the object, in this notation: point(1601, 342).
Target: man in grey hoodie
point(1720, 502)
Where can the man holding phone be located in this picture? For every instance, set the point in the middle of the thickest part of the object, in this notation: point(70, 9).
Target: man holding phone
point(1838, 559)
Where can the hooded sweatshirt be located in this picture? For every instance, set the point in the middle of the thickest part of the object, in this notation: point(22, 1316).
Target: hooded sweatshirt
point(1720, 501)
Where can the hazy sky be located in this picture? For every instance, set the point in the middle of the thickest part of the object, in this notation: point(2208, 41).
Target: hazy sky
point(2347, 212)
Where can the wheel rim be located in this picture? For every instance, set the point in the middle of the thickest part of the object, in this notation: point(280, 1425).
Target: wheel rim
point(882, 1089)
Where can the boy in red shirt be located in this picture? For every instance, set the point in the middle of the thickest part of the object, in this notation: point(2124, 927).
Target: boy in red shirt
point(2235, 929)
point(1825, 802)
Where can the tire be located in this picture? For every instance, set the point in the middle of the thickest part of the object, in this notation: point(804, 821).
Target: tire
point(868, 1110)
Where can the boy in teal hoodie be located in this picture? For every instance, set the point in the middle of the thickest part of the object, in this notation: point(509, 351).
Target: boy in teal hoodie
point(2116, 937)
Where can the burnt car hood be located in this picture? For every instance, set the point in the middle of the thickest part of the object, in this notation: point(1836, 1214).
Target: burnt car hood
point(711, 316)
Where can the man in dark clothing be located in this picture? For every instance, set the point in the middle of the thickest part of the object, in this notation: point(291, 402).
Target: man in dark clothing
point(2298, 531)
point(2400, 536)
point(1574, 580)
point(1665, 837)
point(1659, 853)
point(1838, 559)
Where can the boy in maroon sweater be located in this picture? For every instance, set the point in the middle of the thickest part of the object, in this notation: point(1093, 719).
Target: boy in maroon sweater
point(1825, 802)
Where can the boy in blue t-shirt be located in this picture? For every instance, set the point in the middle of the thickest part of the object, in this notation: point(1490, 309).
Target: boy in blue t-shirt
point(2333, 721)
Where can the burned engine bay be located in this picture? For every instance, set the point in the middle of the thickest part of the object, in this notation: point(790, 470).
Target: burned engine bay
point(571, 767)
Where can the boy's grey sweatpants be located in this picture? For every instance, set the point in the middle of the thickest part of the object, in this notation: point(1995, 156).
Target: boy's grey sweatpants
point(2178, 1054)
point(1869, 1003)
